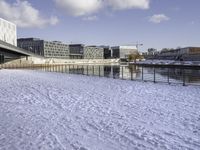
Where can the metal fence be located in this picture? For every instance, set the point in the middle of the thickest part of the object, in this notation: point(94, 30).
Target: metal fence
point(185, 75)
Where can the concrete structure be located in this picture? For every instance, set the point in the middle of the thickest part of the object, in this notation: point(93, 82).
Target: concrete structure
point(76, 51)
point(8, 32)
point(93, 52)
point(122, 52)
point(9, 52)
point(48, 49)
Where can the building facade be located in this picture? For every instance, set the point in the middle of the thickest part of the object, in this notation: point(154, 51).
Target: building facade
point(48, 49)
point(107, 52)
point(123, 51)
point(8, 32)
point(179, 54)
point(76, 51)
point(93, 52)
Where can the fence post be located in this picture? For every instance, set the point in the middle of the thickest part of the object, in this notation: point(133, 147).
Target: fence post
point(131, 73)
point(183, 71)
point(122, 72)
point(99, 71)
point(93, 70)
point(64, 68)
point(67, 68)
point(113, 74)
point(168, 76)
point(87, 70)
point(142, 73)
point(78, 69)
point(154, 75)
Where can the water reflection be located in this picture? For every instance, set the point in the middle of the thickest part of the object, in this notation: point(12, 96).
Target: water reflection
point(132, 72)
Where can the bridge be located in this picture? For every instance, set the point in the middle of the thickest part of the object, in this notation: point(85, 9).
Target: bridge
point(10, 52)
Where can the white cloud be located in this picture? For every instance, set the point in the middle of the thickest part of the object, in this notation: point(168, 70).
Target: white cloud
point(158, 18)
point(89, 7)
point(90, 18)
point(79, 7)
point(24, 15)
point(128, 4)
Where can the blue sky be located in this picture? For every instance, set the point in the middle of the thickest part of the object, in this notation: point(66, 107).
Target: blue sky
point(154, 23)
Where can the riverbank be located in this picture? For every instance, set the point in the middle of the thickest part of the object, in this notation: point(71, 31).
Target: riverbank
point(42, 60)
point(44, 110)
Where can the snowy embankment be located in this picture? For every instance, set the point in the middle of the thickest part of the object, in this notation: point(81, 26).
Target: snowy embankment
point(168, 62)
point(54, 111)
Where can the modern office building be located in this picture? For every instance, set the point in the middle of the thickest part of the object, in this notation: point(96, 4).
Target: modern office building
point(8, 32)
point(48, 49)
point(122, 52)
point(93, 52)
point(107, 52)
point(76, 51)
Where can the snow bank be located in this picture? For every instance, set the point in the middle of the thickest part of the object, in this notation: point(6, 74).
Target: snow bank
point(54, 111)
point(168, 62)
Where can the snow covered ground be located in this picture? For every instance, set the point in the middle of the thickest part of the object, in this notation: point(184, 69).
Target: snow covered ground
point(55, 111)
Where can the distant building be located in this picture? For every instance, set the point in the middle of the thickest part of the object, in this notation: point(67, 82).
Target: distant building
point(8, 32)
point(123, 52)
point(152, 51)
point(184, 54)
point(48, 49)
point(107, 52)
point(76, 51)
point(93, 52)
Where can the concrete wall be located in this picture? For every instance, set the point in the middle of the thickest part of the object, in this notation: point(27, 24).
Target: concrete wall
point(82, 61)
point(42, 60)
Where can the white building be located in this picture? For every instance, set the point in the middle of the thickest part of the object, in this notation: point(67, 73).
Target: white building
point(8, 32)
point(123, 51)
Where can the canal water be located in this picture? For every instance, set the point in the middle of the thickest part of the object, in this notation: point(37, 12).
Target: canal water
point(133, 72)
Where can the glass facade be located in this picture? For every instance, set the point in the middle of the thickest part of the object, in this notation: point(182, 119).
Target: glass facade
point(47, 49)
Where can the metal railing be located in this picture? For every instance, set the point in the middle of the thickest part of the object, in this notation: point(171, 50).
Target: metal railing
point(185, 75)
